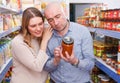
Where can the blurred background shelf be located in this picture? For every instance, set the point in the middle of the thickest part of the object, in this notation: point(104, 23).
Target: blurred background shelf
point(4, 10)
point(107, 69)
point(7, 32)
point(5, 69)
point(91, 29)
point(110, 33)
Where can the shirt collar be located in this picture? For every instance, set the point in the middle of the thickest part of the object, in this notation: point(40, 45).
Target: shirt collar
point(69, 30)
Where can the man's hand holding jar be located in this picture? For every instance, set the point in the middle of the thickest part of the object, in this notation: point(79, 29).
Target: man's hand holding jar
point(66, 52)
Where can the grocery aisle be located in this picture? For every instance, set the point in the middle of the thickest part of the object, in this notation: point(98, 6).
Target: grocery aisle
point(103, 22)
point(101, 18)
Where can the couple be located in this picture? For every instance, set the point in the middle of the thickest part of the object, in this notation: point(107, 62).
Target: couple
point(36, 50)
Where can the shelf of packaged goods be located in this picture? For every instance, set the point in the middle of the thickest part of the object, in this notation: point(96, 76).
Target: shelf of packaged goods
point(5, 68)
point(5, 10)
point(107, 69)
point(7, 32)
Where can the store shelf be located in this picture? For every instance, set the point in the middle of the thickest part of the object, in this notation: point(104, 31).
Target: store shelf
point(7, 32)
point(99, 62)
point(107, 69)
point(4, 10)
point(91, 29)
point(110, 33)
point(5, 68)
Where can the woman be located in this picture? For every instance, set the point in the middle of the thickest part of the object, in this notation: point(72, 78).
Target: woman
point(29, 47)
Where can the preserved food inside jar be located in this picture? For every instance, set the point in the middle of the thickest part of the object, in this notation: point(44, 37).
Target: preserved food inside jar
point(118, 26)
point(119, 14)
point(110, 14)
point(114, 26)
point(115, 14)
point(95, 45)
point(67, 45)
point(109, 25)
point(102, 13)
point(108, 61)
point(105, 25)
point(99, 50)
point(113, 62)
point(106, 14)
point(104, 57)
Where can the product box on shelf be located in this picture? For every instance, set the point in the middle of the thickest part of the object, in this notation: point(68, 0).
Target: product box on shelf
point(7, 21)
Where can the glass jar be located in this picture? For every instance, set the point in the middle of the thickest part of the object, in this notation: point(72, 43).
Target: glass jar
point(100, 76)
point(67, 45)
point(95, 48)
point(104, 57)
point(100, 50)
point(108, 60)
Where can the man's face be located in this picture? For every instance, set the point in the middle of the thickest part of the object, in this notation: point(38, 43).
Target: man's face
point(56, 18)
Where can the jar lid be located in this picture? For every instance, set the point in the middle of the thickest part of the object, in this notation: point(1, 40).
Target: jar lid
point(105, 79)
point(101, 76)
point(68, 40)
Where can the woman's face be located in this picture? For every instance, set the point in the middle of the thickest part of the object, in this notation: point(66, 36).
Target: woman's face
point(35, 27)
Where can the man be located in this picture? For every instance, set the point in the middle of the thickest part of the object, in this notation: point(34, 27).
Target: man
point(73, 68)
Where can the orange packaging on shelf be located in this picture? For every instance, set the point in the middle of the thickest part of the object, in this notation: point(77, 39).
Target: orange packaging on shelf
point(19, 4)
point(114, 26)
point(115, 14)
point(109, 25)
point(110, 14)
point(119, 14)
point(118, 26)
point(118, 68)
